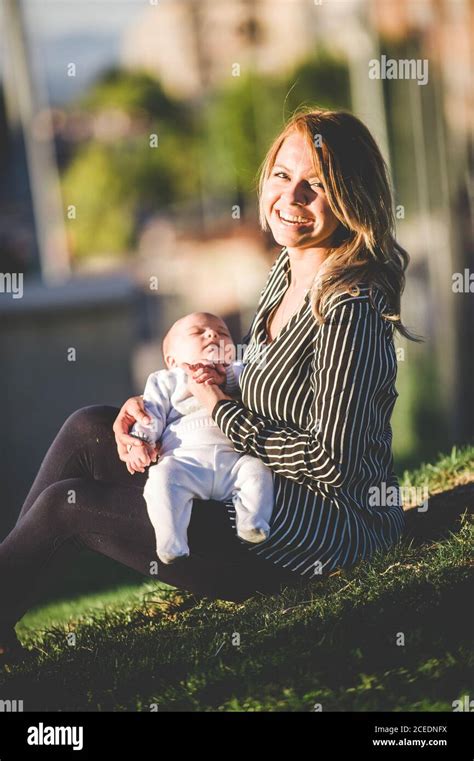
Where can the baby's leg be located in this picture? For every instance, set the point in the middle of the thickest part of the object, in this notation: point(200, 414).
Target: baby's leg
point(169, 492)
point(250, 483)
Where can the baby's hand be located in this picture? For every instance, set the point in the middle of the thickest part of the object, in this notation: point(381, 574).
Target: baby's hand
point(138, 458)
point(210, 374)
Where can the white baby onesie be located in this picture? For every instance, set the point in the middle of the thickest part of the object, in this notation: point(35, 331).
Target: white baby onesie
point(197, 461)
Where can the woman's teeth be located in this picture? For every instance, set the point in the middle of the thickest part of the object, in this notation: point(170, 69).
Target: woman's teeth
point(289, 219)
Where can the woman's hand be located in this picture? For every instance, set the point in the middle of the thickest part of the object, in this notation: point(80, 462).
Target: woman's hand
point(202, 387)
point(133, 411)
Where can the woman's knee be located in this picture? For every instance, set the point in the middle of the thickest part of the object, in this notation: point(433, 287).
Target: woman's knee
point(93, 417)
point(58, 506)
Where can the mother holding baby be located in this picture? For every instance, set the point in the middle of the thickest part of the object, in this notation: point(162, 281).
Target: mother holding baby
point(316, 411)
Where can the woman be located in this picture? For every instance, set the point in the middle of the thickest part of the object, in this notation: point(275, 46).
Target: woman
point(317, 397)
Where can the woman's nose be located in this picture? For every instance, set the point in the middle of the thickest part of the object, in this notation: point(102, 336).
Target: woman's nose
point(298, 193)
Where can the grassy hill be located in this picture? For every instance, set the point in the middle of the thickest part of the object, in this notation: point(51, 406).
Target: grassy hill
point(392, 634)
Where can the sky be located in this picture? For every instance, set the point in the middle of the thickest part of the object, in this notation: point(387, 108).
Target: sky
point(53, 18)
point(87, 32)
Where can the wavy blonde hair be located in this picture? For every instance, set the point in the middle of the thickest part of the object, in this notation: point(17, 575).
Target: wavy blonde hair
point(348, 162)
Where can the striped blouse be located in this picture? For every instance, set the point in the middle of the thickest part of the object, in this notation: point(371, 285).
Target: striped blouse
point(315, 407)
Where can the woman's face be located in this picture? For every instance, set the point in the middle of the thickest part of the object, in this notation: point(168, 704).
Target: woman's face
point(293, 190)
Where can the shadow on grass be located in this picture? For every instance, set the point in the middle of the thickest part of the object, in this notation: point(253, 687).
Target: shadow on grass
point(442, 517)
point(351, 660)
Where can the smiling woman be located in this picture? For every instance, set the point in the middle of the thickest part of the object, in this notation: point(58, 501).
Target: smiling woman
point(324, 193)
point(316, 411)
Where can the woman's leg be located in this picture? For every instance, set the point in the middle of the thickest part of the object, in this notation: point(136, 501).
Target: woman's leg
point(84, 491)
point(113, 520)
point(84, 447)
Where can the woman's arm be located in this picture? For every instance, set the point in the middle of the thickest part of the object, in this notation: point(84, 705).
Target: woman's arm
point(133, 414)
point(352, 361)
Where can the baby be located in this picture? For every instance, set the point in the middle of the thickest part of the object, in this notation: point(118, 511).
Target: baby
point(196, 460)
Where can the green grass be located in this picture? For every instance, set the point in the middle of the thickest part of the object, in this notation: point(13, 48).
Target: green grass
point(454, 468)
point(334, 645)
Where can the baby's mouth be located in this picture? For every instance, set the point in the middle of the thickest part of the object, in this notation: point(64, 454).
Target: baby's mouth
point(211, 351)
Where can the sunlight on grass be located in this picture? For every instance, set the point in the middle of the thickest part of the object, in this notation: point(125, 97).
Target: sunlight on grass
point(61, 611)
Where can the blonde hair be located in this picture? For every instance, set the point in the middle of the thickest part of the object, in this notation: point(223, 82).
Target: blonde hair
point(353, 172)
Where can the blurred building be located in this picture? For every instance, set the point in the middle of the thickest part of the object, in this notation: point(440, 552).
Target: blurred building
point(192, 46)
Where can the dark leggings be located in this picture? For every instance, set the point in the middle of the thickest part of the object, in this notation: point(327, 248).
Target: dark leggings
point(84, 496)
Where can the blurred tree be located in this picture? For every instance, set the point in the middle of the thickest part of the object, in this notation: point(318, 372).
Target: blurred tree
point(135, 92)
point(322, 80)
point(243, 118)
point(234, 130)
point(93, 183)
point(120, 173)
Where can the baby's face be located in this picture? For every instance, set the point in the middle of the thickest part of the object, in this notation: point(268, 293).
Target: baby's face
point(200, 337)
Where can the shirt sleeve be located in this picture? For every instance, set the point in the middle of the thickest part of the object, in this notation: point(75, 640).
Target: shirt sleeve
point(157, 403)
point(233, 372)
point(347, 372)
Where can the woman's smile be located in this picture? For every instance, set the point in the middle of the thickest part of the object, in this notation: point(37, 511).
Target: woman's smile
point(294, 220)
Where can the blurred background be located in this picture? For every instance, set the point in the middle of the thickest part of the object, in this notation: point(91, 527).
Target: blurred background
point(130, 136)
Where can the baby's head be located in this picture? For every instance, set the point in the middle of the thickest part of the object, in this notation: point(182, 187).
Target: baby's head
point(197, 337)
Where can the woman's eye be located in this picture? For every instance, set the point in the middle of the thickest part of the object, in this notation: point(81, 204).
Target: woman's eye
point(312, 184)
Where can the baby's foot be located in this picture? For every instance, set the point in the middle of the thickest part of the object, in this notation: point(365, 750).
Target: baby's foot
point(253, 534)
point(169, 559)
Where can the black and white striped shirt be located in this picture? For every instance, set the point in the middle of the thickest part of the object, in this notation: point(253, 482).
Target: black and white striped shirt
point(316, 407)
